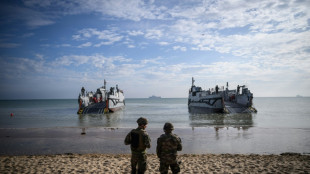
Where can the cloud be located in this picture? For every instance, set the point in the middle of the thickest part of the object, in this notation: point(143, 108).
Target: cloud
point(135, 33)
point(152, 72)
point(64, 45)
point(104, 43)
point(249, 31)
point(28, 35)
point(262, 16)
point(31, 17)
point(133, 10)
point(157, 61)
point(262, 42)
point(22, 67)
point(163, 43)
point(96, 60)
point(153, 34)
point(87, 44)
point(9, 45)
point(179, 48)
point(109, 37)
point(77, 60)
point(40, 56)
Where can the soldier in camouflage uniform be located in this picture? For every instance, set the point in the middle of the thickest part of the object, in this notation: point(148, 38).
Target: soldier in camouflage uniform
point(167, 146)
point(139, 140)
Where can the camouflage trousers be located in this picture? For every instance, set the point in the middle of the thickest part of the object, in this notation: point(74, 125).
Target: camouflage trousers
point(138, 159)
point(167, 161)
point(164, 167)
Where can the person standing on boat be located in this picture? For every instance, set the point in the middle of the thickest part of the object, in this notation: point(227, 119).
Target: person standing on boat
point(217, 89)
point(167, 146)
point(139, 140)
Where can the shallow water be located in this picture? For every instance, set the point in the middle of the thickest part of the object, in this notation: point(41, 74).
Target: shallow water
point(272, 112)
point(52, 126)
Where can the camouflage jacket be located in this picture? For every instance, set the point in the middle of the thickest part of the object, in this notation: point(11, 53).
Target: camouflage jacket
point(139, 140)
point(167, 146)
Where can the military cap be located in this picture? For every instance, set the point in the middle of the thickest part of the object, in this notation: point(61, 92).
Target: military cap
point(142, 121)
point(168, 126)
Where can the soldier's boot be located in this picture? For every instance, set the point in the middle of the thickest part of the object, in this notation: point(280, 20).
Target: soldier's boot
point(175, 168)
point(133, 170)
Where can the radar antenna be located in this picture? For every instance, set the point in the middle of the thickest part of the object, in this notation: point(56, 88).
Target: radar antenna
point(193, 81)
point(104, 84)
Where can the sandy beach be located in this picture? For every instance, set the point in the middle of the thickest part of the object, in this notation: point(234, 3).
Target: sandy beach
point(205, 163)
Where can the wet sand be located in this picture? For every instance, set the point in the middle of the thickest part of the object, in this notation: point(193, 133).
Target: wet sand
point(204, 163)
point(204, 140)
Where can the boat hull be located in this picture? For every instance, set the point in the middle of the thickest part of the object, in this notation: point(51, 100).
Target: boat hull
point(101, 108)
point(116, 108)
point(232, 108)
point(204, 110)
point(95, 108)
point(206, 105)
point(220, 100)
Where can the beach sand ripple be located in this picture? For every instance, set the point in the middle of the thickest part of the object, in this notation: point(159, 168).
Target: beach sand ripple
point(190, 163)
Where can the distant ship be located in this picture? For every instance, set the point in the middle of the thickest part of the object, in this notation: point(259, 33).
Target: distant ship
point(218, 100)
point(102, 101)
point(154, 97)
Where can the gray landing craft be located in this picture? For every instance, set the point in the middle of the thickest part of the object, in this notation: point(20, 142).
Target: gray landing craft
point(220, 100)
point(103, 101)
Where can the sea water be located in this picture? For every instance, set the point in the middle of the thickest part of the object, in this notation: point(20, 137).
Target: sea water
point(280, 125)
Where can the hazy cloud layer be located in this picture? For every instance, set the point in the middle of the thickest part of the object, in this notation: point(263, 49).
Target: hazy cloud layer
point(155, 47)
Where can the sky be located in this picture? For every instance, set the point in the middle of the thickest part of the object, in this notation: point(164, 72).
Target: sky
point(50, 49)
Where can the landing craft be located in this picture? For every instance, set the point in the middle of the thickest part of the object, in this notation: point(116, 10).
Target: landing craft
point(102, 101)
point(218, 100)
